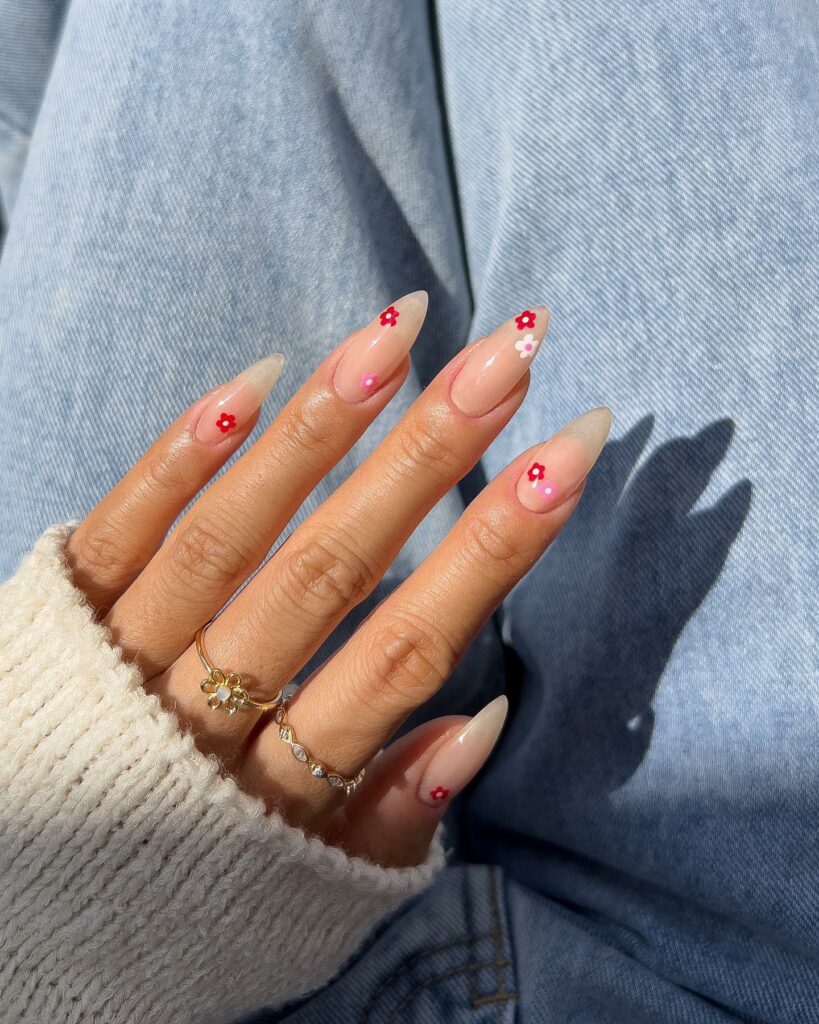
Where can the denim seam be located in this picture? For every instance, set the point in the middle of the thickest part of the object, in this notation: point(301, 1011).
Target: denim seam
point(416, 959)
point(6, 128)
point(503, 952)
point(453, 972)
point(501, 962)
point(449, 153)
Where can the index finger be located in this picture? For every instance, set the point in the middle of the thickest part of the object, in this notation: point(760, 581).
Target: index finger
point(124, 530)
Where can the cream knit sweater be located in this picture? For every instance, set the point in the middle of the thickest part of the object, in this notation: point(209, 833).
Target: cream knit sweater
point(137, 883)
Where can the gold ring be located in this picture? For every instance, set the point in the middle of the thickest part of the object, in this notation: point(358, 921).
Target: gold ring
point(317, 768)
point(225, 689)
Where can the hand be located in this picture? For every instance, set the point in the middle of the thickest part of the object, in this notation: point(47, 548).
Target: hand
point(155, 592)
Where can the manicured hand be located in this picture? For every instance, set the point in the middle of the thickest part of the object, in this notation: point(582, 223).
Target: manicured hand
point(156, 589)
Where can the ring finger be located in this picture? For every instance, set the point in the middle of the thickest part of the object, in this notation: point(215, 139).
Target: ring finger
point(407, 648)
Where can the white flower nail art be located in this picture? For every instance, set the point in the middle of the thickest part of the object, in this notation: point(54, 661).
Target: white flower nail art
point(527, 346)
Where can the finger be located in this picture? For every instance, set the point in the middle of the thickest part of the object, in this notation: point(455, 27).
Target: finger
point(391, 818)
point(403, 653)
point(122, 533)
point(229, 530)
point(337, 556)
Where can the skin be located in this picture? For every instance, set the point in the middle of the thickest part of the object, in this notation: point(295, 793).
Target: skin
point(154, 591)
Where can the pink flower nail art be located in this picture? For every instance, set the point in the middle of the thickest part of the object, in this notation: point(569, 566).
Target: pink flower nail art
point(226, 422)
point(527, 346)
point(439, 793)
point(537, 474)
point(525, 320)
point(376, 352)
point(556, 470)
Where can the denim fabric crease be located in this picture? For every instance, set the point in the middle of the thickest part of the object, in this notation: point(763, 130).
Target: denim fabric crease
point(188, 185)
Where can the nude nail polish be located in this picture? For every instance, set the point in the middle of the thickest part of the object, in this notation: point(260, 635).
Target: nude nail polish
point(233, 404)
point(496, 365)
point(378, 349)
point(561, 465)
point(460, 759)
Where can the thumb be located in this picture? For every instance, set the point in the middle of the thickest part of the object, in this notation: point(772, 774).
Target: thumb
point(392, 816)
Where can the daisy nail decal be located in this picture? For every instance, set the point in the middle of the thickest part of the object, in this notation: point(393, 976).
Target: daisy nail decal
point(525, 320)
point(460, 757)
point(377, 350)
point(527, 346)
point(498, 362)
point(537, 474)
point(243, 396)
point(556, 470)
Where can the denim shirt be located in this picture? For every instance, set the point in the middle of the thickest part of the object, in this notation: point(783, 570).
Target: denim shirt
point(190, 185)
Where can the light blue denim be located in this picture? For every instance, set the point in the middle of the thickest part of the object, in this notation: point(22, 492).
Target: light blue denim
point(190, 184)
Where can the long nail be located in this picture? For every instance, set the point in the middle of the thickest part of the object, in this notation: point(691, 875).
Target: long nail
point(561, 465)
point(379, 348)
point(233, 404)
point(498, 363)
point(460, 759)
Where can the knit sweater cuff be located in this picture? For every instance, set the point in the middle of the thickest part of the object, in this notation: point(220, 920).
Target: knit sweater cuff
point(139, 883)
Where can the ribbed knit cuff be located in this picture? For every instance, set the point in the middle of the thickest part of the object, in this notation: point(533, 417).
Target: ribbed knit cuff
point(140, 884)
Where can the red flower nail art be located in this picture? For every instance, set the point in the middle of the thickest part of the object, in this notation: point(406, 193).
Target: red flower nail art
point(525, 320)
point(390, 316)
point(439, 793)
point(537, 471)
point(226, 422)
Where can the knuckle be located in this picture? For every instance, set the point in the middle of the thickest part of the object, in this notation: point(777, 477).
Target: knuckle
point(324, 578)
point(407, 661)
point(490, 545)
point(104, 555)
point(202, 553)
point(165, 471)
point(308, 427)
point(420, 446)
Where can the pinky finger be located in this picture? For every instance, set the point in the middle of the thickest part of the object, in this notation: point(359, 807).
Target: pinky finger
point(392, 817)
point(122, 533)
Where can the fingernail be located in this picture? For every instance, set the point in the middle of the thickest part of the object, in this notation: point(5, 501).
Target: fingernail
point(498, 363)
point(233, 404)
point(379, 348)
point(460, 759)
point(560, 466)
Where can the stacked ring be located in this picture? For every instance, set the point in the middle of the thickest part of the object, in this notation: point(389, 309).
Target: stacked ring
point(317, 769)
point(225, 689)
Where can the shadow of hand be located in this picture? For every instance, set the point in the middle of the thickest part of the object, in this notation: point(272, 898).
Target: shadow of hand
point(595, 623)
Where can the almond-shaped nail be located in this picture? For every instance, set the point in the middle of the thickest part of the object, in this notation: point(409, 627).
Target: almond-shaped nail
point(378, 349)
point(497, 364)
point(460, 759)
point(233, 404)
point(561, 465)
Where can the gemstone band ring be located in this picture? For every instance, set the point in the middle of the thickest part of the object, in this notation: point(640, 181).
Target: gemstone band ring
point(317, 769)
